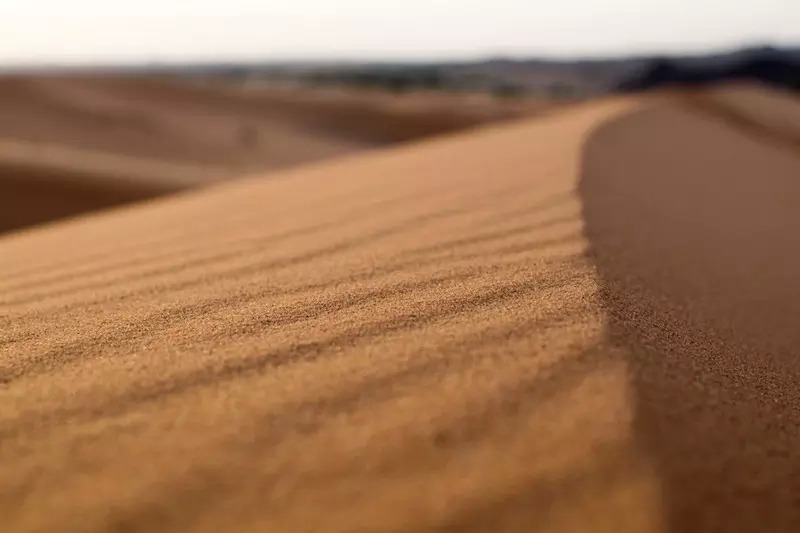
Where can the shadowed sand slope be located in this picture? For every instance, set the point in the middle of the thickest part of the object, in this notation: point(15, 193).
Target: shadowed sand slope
point(693, 227)
point(511, 330)
point(768, 112)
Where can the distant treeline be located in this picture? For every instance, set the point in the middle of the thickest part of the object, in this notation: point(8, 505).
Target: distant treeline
point(560, 79)
point(400, 78)
point(392, 78)
point(564, 79)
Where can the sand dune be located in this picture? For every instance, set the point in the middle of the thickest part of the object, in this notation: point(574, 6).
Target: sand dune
point(766, 112)
point(157, 119)
point(85, 143)
point(42, 182)
point(579, 323)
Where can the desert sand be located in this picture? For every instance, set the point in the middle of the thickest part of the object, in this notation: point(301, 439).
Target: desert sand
point(73, 144)
point(585, 322)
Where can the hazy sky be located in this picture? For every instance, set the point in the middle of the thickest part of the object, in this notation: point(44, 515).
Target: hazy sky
point(164, 30)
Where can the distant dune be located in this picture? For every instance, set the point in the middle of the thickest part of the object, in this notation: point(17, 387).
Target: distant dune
point(74, 144)
point(767, 112)
point(585, 322)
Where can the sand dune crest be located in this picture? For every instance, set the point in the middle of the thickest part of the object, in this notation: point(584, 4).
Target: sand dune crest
point(536, 326)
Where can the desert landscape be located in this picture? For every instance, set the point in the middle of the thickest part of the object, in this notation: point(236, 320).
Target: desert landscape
point(353, 312)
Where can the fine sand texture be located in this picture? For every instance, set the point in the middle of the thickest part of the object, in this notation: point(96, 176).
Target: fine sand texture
point(70, 145)
point(585, 322)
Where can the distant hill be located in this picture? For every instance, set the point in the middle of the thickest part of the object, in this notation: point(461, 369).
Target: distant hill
point(780, 68)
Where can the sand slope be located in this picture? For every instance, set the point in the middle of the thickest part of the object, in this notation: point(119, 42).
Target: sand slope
point(580, 323)
point(74, 144)
point(765, 111)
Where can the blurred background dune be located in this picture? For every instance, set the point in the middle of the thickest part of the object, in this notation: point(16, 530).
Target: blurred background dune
point(70, 144)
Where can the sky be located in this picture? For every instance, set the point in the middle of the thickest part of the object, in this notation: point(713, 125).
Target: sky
point(137, 31)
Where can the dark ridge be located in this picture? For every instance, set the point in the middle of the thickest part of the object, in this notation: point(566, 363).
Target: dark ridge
point(778, 68)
